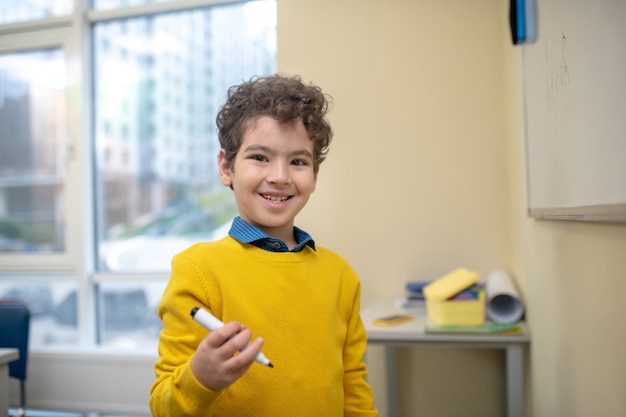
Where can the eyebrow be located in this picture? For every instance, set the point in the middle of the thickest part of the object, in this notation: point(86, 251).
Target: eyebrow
point(266, 149)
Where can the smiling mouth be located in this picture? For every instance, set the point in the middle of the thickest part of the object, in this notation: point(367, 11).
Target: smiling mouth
point(274, 198)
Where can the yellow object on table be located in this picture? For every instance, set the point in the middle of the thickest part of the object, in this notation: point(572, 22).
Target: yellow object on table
point(442, 310)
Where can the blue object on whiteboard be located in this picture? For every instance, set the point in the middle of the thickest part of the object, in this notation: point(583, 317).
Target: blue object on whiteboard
point(520, 9)
point(523, 21)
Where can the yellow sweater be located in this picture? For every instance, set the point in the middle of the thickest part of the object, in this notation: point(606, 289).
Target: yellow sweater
point(306, 307)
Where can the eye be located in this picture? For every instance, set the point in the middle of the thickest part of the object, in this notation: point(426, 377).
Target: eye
point(259, 158)
point(299, 162)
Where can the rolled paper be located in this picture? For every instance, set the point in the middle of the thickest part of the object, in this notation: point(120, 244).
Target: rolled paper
point(504, 304)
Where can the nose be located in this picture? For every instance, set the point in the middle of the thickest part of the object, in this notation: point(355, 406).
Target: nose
point(278, 173)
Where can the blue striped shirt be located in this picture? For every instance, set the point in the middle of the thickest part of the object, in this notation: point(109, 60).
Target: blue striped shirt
point(245, 232)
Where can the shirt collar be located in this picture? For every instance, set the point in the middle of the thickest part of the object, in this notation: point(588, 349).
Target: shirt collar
point(245, 232)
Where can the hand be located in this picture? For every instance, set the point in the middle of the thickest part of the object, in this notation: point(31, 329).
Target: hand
point(224, 356)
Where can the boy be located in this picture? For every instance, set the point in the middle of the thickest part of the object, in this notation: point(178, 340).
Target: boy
point(267, 278)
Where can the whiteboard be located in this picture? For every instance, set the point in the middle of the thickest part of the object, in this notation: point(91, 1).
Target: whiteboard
point(575, 110)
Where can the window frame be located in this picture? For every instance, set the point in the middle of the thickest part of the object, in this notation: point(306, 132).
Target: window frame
point(32, 36)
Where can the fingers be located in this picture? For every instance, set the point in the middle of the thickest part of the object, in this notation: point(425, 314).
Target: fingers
point(232, 331)
point(230, 339)
point(236, 346)
point(225, 355)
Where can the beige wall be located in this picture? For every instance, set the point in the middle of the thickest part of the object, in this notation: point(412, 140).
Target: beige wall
point(426, 173)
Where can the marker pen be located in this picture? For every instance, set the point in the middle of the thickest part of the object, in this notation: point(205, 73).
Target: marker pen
point(210, 322)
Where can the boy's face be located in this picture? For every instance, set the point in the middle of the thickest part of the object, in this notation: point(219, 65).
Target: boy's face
point(272, 175)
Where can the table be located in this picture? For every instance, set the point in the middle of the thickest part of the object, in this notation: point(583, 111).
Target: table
point(412, 334)
point(6, 356)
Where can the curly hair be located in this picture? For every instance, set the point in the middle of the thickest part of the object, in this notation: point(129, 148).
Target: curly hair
point(286, 99)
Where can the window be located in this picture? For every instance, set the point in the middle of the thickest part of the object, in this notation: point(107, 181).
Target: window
point(32, 130)
point(108, 154)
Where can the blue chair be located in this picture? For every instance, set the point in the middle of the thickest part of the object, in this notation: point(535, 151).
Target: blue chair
point(14, 327)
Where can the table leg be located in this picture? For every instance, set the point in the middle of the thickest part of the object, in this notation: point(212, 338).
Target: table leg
point(4, 390)
point(392, 387)
point(515, 380)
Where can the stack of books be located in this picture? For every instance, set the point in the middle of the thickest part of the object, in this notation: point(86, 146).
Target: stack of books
point(414, 293)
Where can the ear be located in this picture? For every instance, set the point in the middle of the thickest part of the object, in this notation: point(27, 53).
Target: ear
point(226, 174)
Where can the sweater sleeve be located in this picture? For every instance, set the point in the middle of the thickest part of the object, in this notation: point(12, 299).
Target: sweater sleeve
point(358, 396)
point(176, 391)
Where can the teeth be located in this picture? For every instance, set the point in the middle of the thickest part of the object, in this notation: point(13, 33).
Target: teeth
point(274, 198)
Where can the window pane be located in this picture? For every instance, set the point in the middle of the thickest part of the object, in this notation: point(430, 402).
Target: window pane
point(52, 304)
point(128, 314)
point(32, 132)
point(159, 81)
point(13, 11)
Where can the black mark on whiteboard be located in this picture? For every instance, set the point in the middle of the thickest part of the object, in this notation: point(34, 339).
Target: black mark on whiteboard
point(557, 75)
